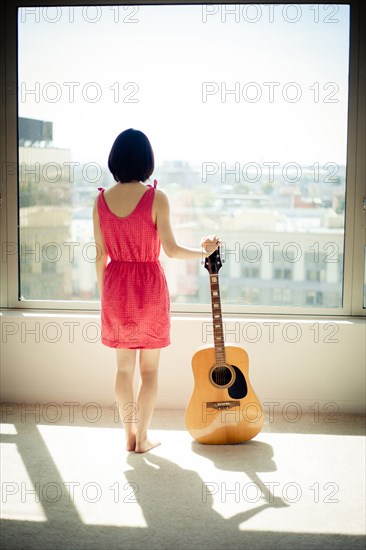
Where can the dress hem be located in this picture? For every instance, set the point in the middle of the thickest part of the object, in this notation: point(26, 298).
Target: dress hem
point(131, 345)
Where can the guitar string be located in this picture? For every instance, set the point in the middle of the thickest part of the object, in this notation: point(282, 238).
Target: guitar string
point(217, 376)
point(221, 376)
point(218, 334)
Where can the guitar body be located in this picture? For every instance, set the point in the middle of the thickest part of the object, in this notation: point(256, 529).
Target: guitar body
point(223, 408)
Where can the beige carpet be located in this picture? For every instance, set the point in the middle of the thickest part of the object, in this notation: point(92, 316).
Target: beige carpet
point(70, 485)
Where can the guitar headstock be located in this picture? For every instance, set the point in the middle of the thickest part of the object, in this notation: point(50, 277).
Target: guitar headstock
point(213, 262)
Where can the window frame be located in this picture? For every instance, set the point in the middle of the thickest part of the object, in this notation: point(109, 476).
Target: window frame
point(354, 232)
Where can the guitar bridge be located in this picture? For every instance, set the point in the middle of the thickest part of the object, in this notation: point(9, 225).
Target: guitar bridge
point(222, 405)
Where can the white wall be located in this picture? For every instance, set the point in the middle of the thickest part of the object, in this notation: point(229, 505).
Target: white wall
point(305, 361)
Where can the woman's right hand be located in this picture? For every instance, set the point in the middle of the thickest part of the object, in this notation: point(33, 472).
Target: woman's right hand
point(210, 244)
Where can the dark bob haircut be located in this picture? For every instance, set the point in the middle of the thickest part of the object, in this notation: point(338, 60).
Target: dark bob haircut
point(131, 157)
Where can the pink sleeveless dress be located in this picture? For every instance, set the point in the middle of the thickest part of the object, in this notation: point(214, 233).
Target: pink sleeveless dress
point(135, 305)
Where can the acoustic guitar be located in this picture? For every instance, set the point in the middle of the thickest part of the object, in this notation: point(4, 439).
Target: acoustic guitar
point(223, 408)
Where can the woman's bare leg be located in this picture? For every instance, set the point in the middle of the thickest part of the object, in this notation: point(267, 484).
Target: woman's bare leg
point(126, 359)
point(149, 363)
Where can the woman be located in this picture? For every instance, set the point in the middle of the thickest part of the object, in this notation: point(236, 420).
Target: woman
point(131, 222)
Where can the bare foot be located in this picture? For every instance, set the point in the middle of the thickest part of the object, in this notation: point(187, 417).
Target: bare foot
point(131, 442)
point(146, 445)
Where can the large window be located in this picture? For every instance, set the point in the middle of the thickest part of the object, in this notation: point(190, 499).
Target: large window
point(246, 107)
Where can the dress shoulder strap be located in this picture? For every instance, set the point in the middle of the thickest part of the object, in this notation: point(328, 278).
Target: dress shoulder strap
point(155, 184)
point(101, 200)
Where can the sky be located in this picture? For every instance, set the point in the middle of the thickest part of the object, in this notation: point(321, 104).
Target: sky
point(165, 69)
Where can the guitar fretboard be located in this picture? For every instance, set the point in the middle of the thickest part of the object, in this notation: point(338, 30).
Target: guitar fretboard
point(217, 321)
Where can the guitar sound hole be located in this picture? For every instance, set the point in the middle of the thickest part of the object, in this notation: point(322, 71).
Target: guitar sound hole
point(221, 376)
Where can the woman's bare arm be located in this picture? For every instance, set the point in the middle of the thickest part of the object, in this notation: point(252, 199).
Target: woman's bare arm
point(171, 248)
point(101, 252)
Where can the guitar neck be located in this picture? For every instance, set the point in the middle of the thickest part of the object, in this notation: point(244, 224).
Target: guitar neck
point(217, 321)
